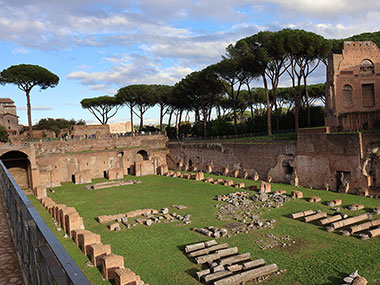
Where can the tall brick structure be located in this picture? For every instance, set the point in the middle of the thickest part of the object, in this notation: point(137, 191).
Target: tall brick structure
point(353, 87)
point(8, 115)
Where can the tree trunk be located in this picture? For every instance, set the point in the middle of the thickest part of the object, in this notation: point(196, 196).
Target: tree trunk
point(205, 123)
point(141, 120)
point(170, 117)
point(29, 111)
point(269, 109)
point(161, 117)
point(235, 119)
point(307, 102)
point(132, 129)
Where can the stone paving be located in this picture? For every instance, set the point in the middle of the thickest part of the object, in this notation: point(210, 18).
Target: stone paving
point(10, 272)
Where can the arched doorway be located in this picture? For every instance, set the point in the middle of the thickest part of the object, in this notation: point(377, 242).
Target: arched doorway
point(142, 155)
point(18, 165)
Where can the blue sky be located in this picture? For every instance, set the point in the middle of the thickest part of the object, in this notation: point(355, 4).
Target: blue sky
point(98, 46)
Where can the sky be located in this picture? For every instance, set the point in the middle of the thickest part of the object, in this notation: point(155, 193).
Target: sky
point(99, 46)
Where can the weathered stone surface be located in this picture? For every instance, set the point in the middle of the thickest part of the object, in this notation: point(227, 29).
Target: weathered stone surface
point(364, 226)
point(302, 214)
point(314, 217)
point(297, 194)
point(228, 182)
point(265, 187)
point(202, 273)
point(235, 259)
point(126, 276)
point(349, 221)
point(314, 199)
point(208, 250)
point(96, 251)
point(87, 238)
point(114, 226)
point(217, 275)
point(110, 263)
point(330, 220)
point(253, 263)
point(334, 203)
point(248, 275)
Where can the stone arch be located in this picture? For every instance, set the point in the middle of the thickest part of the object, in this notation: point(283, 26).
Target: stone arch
point(367, 67)
point(347, 94)
point(142, 155)
point(19, 166)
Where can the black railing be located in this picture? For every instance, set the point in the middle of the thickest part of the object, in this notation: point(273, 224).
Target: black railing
point(42, 257)
point(239, 136)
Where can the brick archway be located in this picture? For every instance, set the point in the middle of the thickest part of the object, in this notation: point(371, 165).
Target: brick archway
point(19, 166)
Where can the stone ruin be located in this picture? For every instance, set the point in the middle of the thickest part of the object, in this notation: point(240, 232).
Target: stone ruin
point(226, 266)
point(245, 210)
point(212, 232)
point(146, 217)
point(346, 225)
point(109, 184)
point(112, 265)
point(272, 241)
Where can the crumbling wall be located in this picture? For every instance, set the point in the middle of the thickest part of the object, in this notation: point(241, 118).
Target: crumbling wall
point(259, 156)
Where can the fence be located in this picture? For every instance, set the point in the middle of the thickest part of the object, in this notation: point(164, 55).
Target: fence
point(42, 257)
point(239, 136)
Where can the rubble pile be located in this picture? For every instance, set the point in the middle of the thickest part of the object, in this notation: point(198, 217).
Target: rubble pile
point(272, 241)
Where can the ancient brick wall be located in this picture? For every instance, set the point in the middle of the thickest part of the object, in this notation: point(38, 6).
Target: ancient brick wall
point(61, 161)
point(259, 156)
point(353, 87)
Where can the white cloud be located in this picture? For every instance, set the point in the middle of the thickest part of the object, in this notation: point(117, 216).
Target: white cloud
point(36, 108)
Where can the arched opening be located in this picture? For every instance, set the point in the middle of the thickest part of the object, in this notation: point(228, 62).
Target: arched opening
point(142, 155)
point(18, 165)
point(367, 68)
point(190, 164)
point(288, 169)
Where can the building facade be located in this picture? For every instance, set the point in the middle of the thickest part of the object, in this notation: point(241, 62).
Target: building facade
point(8, 115)
point(353, 87)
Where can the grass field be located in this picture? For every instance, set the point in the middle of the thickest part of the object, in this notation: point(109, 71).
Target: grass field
point(156, 252)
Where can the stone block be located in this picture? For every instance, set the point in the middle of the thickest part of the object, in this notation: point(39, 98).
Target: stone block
point(281, 192)
point(40, 192)
point(209, 180)
point(44, 200)
point(144, 167)
point(125, 276)
point(61, 216)
point(226, 171)
point(81, 177)
point(114, 226)
point(209, 168)
point(163, 169)
point(228, 182)
point(239, 185)
point(115, 173)
point(199, 176)
point(57, 208)
point(297, 194)
point(96, 251)
point(73, 222)
point(87, 238)
point(265, 187)
point(234, 173)
point(75, 233)
point(110, 263)
point(49, 205)
point(314, 199)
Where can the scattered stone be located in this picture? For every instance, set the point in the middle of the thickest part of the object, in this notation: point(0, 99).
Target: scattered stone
point(314, 199)
point(271, 241)
point(355, 207)
point(334, 203)
point(179, 207)
point(297, 194)
point(165, 211)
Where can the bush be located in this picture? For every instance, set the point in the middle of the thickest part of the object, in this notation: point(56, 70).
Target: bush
point(3, 134)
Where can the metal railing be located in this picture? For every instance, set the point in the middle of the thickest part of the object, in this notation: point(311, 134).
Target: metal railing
point(43, 259)
point(239, 136)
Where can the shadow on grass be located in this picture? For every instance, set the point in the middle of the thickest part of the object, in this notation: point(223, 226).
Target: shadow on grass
point(338, 279)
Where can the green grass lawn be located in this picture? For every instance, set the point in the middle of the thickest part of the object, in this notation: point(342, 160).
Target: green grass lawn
point(156, 252)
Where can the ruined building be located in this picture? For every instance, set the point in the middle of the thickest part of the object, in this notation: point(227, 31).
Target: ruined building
point(47, 164)
point(8, 115)
point(353, 87)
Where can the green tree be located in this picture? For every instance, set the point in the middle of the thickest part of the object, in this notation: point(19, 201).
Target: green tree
point(162, 95)
point(56, 125)
point(26, 76)
point(102, 107)
point(3, 134)
point(140, 97)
